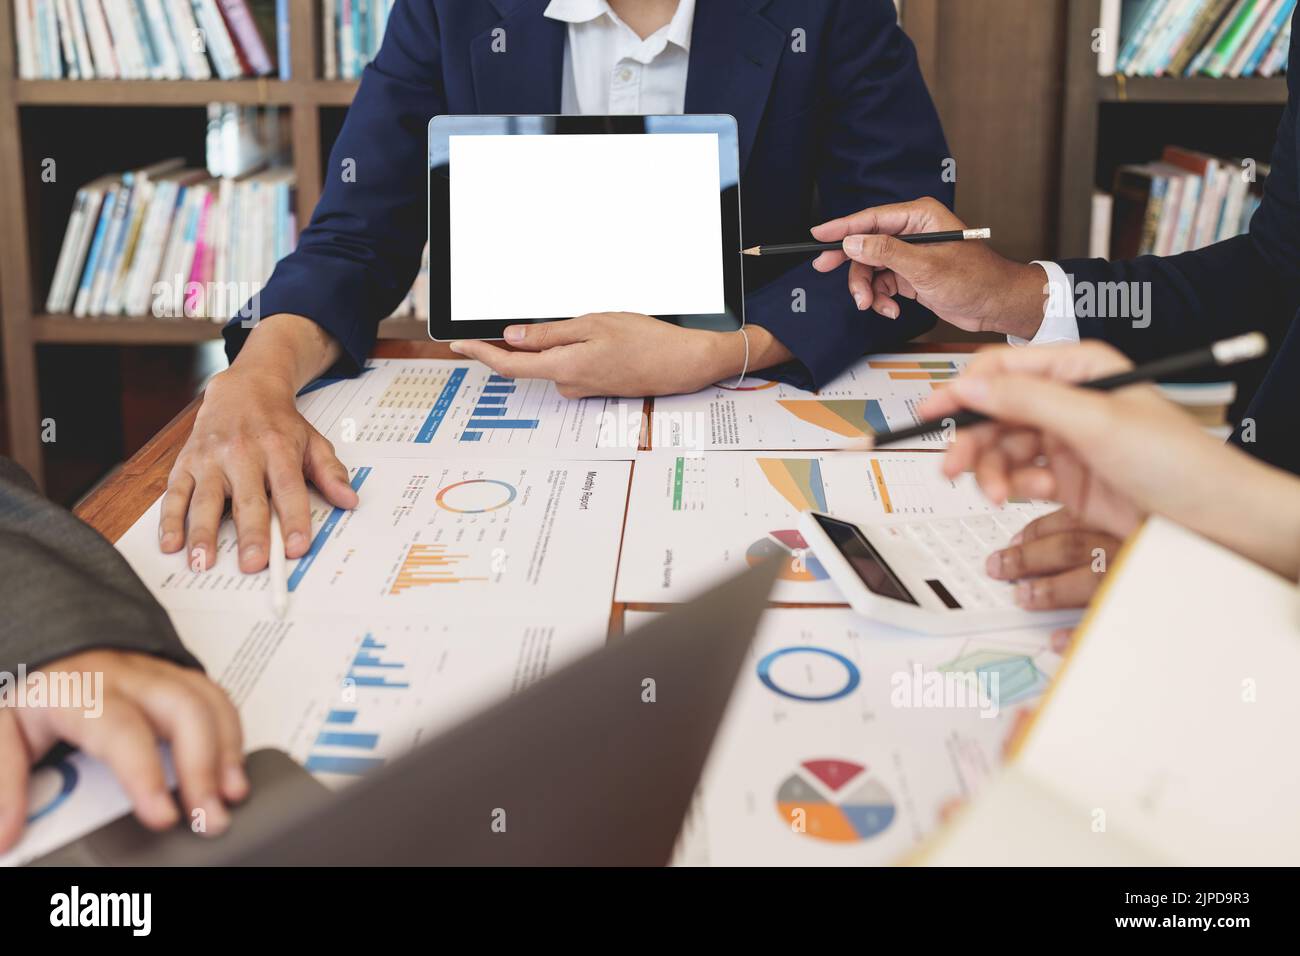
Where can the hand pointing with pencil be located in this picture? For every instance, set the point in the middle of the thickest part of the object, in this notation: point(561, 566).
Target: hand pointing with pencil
point(966, 284)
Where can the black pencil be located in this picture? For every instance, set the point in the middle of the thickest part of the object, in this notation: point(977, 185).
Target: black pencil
point(915, 238)
point(1239, 348)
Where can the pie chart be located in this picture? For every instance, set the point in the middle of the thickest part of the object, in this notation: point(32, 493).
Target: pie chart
point(800, 564)
point(838, 800)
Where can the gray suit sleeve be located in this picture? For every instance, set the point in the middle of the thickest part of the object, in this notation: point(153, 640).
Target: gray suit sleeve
point(64, 589)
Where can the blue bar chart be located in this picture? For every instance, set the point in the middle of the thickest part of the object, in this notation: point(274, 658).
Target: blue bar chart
point(342, 746)
point(491, 409)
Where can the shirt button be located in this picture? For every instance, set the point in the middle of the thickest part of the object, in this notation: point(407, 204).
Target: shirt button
point(625, 75)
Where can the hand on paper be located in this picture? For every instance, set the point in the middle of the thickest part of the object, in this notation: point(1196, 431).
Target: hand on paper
point(249, 437)
point(1057, 562)
point(623, 354)
point(966, 284)
point(143, 700)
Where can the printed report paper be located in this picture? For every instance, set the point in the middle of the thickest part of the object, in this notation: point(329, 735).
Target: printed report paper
point(848, 742)
point(421, 408)
point(694, 520)
point(876, 394)
point(429, 537)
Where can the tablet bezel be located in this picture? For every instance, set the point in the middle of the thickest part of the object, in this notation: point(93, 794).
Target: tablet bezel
point(443, 328)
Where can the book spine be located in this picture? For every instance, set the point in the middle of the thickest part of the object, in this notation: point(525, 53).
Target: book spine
point(1203, 56)
point(113, 243)
point(187, 30)
point(140, 203)
point(347, 40)
point(1266, 41)
point(1155, 37)
point(282, 46)
point(1230, 40)
point(329, 38)
point(219, 44)
point(145, 266)
point(1187, 215)
point(63, 20)
point(84, 290)
point(25, 38)
point(239, 20)
point(168, 281)
point(101, 46)
point(1179, 30)
point(81, 41)
point(66, 252)
point(1258, 25)
point(151, 57)
point(1275, 57)
point(200, 239)
point(1133, 42)
point(1155, 205)
point(1205, 23)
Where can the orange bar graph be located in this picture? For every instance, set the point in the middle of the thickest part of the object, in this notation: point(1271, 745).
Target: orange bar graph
point(880, 483)
point(426, 564)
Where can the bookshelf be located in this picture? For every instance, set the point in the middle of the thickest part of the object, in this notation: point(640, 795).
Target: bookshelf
point(1109, 120)
point(25, 262)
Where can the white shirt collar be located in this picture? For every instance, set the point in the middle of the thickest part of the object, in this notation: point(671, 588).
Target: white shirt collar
point(678, 31)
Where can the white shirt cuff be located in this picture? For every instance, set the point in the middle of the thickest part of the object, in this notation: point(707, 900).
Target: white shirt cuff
point(1059, 323)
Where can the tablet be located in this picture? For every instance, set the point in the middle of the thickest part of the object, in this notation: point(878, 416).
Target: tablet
point(537, 218)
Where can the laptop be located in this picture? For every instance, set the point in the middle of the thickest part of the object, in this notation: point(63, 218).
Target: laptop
point(593, 766)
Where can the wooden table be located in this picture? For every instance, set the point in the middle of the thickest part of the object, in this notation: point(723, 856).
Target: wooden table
point(117, 502)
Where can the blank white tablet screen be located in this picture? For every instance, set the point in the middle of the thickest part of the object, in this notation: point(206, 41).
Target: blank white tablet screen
point(549, 227)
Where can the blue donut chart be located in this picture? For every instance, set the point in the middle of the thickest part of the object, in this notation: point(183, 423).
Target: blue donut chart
point(852, 677)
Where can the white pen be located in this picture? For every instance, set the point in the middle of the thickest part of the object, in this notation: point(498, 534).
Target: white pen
point(279, 577)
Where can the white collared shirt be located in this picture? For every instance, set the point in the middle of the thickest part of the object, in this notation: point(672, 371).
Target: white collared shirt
point(609, 69)
point(1059, 322)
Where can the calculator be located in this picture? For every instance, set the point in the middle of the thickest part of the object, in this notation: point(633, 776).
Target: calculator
point(925, 574)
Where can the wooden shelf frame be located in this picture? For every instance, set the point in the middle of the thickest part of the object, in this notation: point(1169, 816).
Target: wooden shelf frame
point(23, 327)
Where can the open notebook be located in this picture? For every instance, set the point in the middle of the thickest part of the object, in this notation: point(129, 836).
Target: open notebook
point(1169, 737)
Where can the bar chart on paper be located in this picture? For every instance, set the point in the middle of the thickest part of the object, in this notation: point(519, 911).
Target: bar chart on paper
point(396, 683)
point(345, 693)
point(417, 408)
point(876, 394)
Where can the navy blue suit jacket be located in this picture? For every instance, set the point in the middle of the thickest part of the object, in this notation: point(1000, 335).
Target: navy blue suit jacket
point(1251, 282)
point(848, 122)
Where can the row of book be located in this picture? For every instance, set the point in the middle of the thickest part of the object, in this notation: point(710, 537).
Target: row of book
point(351, 31)
point(151, 39)
point(1218, 38)
point(1184, 201)
point(171, 242)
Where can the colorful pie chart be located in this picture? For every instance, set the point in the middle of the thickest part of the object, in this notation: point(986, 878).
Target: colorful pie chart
point(800, 563)
point(836, 801)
